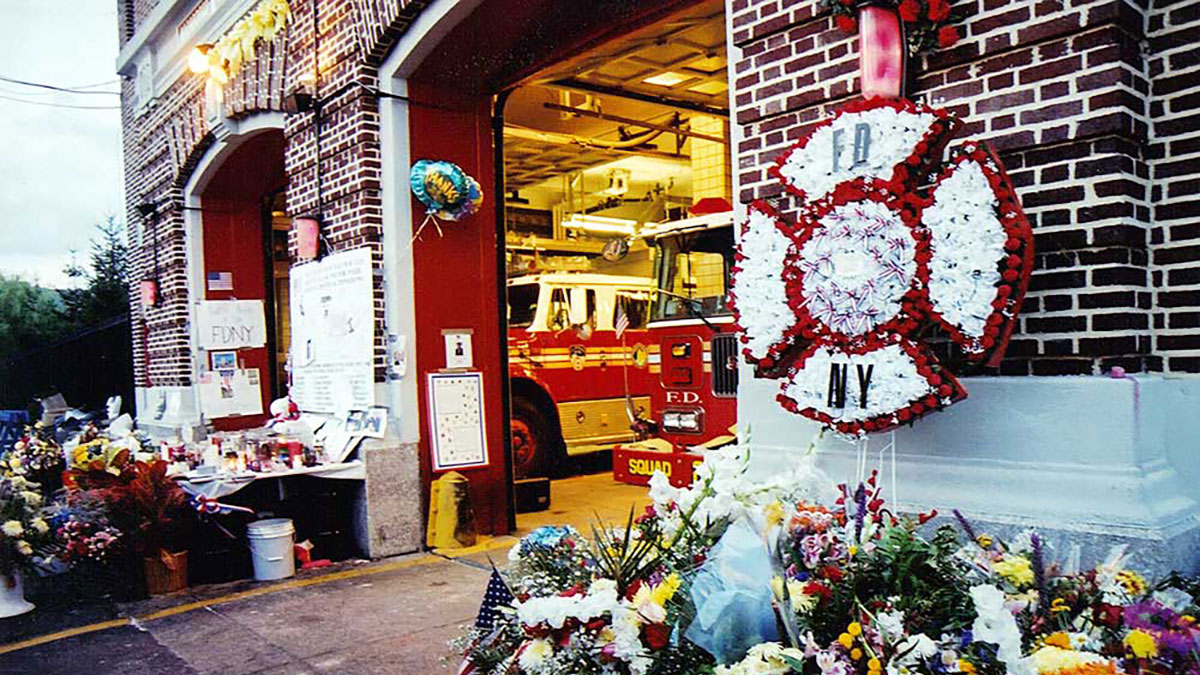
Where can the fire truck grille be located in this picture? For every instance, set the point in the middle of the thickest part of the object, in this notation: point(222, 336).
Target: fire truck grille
point(724, 365)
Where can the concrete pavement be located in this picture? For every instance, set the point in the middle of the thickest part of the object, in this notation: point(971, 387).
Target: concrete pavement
point(391, 616)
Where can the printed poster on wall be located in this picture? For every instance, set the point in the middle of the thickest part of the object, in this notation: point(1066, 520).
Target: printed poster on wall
point(231, 324)
point(456, 420)
point(333, 333)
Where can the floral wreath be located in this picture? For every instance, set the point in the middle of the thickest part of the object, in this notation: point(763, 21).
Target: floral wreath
point(928, 24)
point(835, 301)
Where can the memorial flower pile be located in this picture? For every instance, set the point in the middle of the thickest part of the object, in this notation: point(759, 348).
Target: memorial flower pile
point(733, 576)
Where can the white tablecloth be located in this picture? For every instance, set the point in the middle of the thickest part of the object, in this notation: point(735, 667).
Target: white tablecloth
point(220, 485)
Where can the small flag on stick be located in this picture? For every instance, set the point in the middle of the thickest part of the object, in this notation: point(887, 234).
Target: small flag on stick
point(622, 322)
point(496, 596)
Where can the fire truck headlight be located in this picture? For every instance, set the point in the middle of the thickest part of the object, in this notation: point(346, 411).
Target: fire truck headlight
point(687, 421)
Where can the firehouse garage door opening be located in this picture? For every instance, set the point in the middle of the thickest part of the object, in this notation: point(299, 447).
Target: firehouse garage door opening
point(619, 247)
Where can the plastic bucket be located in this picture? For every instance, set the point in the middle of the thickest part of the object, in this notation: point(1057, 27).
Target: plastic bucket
point(271, 548)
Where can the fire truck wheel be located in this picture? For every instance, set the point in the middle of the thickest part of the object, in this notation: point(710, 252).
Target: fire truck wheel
point(533, 443)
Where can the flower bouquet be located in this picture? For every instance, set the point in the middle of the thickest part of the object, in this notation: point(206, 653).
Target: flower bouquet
point(24, 533)
point(735, 577)
point(151, 511)
point(37, 458)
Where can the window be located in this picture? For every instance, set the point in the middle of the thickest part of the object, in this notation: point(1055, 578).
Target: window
point(636, 305)
point(522, 304)
point(692, 272)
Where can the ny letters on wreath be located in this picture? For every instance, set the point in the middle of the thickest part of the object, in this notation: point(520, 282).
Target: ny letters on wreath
point(885, 241)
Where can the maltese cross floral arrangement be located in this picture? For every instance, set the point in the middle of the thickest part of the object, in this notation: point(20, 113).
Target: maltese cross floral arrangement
point(886, 242)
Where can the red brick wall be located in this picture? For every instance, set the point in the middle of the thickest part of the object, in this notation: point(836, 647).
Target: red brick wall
point(1063, 90)
point(164, 141)
point(1174, 157)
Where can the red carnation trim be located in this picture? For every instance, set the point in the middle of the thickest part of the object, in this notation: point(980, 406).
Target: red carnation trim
point(947, 36)
point(939, 10)
point(910, 11)
point(847, 24)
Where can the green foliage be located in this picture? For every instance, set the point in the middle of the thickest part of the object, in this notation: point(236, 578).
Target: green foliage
point(105, 290)
point(623, 558)
point(30, 316)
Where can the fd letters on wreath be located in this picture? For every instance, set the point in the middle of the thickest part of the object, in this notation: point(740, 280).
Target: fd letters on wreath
point(836, 300)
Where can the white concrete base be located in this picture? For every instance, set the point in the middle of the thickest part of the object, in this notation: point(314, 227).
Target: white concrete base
point(1087, 460)
point(167, 412)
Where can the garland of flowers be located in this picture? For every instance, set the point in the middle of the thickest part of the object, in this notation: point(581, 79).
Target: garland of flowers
point(928, 24)
point(264, 22)
point(851, 589)
point(871, 258)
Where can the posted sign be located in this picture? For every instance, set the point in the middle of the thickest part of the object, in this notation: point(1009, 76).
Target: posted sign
point(231, 324)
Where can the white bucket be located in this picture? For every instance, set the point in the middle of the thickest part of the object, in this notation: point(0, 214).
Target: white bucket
point(271, 544)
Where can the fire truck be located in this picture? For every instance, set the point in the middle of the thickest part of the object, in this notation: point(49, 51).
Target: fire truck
point(692, 350)
point(576, 387)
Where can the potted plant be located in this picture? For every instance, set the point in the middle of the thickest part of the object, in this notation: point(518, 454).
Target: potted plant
point(151, 510)
point(23, 532)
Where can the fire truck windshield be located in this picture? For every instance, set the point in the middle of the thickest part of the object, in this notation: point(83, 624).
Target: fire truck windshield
point(692, 274)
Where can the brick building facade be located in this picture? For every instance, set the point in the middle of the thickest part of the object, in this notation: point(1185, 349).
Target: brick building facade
point(1091, 104)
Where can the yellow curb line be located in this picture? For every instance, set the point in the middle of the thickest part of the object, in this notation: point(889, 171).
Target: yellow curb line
point(489, 544)
point(221, 600)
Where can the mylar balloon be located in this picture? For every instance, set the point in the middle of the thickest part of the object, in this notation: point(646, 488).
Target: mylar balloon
point(445, 189)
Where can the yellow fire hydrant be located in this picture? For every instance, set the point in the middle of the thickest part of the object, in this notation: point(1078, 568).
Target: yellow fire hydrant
point(451, 518)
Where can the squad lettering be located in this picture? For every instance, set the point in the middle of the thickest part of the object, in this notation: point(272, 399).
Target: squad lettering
point(647, 467)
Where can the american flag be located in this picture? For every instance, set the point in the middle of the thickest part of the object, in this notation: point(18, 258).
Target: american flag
point(622, 322)
point(496, 596)
point(220, 281)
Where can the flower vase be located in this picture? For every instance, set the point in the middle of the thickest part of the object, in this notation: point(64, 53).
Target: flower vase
point(12, 595)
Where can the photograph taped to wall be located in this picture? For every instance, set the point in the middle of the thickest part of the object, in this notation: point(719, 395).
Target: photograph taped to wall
point(333, 333)
point(223, 362)
point(456, 420)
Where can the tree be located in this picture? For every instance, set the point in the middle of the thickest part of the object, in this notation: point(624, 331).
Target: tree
point(30, 316)
point(105, 292)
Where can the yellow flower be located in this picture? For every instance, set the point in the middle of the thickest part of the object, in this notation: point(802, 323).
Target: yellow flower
point(24, 548)
point(966, 667)
point(1059, 639)
point(1016, 569)
point(853, 550)
point(1142, 644)
point(1133, 583)
point(1187, 619)
point(985, 541)
point(665, 590)
point(1056, 661)
point(40, 525)
point(845, 640)
point(1059, 605)
point(874, 665)
point(774, 513)
point(855, 628)
point(12, 528)
point(856, 653)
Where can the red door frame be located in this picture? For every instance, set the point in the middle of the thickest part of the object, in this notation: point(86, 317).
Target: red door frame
point(457, 99)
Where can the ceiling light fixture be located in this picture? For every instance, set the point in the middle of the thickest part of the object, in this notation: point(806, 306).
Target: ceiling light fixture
point(600, 224)
point(667, 79)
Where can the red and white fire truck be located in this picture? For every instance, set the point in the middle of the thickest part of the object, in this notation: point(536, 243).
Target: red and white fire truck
point(692, 354)
point(575, 384)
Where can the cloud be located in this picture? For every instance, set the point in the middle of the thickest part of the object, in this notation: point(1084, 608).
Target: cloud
point(61, 169)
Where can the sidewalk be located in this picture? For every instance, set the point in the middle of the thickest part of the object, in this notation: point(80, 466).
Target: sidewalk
point(390, 616)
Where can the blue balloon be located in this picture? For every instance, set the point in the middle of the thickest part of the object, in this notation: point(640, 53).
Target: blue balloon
point(445, 189)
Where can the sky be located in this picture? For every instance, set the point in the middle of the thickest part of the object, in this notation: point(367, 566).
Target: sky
point(60, 168)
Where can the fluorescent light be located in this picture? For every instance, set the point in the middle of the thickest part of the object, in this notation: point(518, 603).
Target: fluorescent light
point(600, 224)
point(667, 79)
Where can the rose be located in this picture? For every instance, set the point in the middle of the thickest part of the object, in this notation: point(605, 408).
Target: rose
point(939, 10)
point(847, 24)
point(947, 36)
point(657, 635)
point(910, 10)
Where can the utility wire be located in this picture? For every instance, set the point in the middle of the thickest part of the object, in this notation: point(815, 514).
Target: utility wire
point(68, 90)
point(61, 105)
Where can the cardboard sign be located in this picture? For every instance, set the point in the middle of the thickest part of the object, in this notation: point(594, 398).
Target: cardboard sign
point(231, 324)
point(457, 429)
